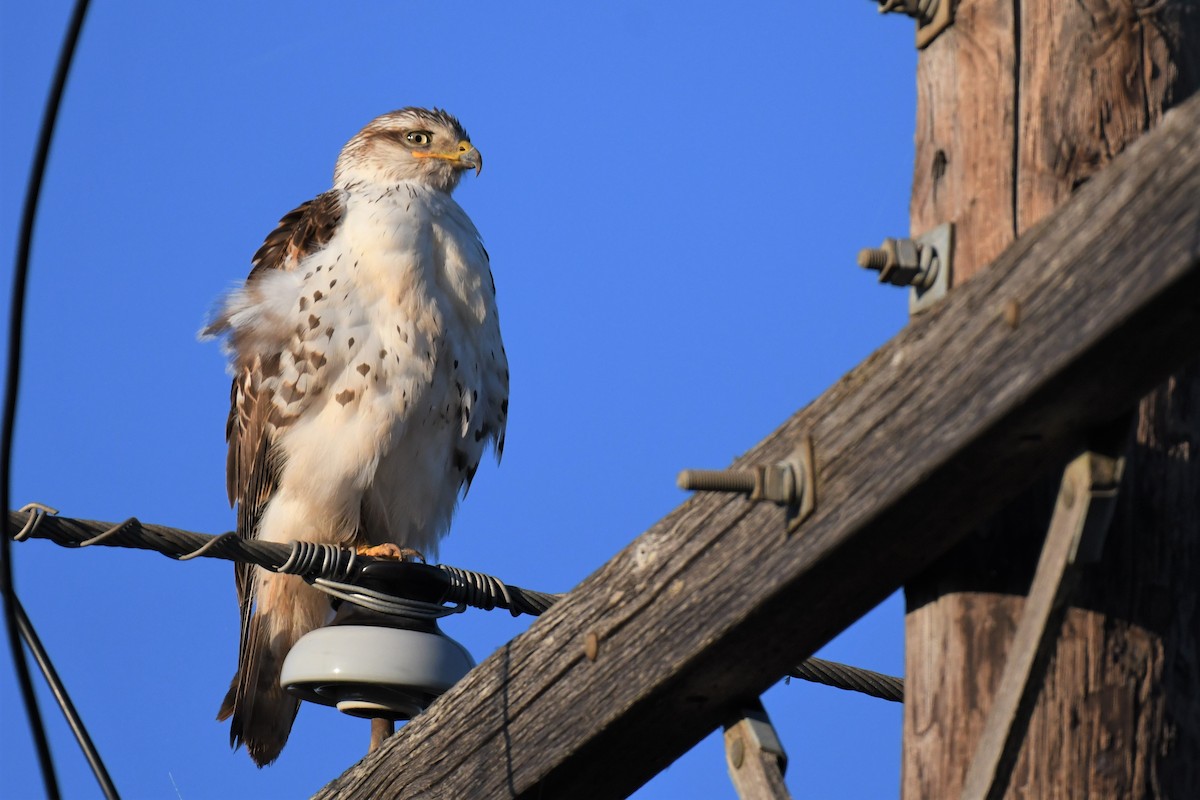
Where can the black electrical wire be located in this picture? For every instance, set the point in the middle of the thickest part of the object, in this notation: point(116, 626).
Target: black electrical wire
point(64, 701)
point(12, 384)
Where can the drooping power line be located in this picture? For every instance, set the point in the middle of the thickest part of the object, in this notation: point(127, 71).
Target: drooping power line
point(12, 385)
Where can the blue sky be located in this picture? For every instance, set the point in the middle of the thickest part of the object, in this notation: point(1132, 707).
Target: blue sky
point(673, 197)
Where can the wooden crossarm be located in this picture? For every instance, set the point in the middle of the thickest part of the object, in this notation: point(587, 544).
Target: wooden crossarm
point(940, 426)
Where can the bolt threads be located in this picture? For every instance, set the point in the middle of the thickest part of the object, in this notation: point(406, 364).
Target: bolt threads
point(900, 262)
point(791, 483)
point(717, 480)
point(875, 258)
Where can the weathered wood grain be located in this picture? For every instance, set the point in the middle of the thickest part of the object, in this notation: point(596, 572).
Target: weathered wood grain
point(1080, 521)
point(759, 778)
point(714, 603)
point(1094, 76)
point(966, 104)
point(755, 756)
point(1119, 712)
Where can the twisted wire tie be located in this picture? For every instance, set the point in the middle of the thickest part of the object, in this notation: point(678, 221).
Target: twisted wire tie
point(480, 589)
point(35, 511)
point(113, 533)
point(326, 560)
point(224, 543)
point(385, 603)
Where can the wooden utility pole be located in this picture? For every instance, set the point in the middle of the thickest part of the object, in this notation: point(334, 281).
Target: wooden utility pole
point(1020, 102)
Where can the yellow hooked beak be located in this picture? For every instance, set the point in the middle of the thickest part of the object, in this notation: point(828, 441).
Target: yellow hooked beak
point(464, 156)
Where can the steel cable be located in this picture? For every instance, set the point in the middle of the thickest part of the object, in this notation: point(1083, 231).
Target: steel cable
point(853, 679)
point(327, 567)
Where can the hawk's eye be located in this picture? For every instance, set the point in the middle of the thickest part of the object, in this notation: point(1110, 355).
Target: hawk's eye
point(419, 137)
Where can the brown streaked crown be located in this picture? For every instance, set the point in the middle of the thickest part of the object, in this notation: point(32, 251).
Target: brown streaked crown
point(395, 147)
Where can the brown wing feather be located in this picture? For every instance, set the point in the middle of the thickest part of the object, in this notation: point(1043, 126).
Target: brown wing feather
point(303, 230)
point(253, 462)
point(251, 470)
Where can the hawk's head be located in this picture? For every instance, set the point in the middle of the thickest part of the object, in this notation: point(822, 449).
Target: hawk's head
point(410, 144)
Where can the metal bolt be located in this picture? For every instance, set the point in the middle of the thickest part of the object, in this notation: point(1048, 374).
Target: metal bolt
point(902, 262)
point(921, 10)
point(1012, 314)
point(717, 480)
point(737, 751)
point(775, 482)
point(875, 258)
point(791, 482)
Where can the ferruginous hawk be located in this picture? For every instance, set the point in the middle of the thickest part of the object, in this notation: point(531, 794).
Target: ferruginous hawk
point(368, 376)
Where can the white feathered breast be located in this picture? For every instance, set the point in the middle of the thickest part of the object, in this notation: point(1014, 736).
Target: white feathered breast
point(392, 376)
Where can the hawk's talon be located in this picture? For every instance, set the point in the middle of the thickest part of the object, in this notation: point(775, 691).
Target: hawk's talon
point(392, 552)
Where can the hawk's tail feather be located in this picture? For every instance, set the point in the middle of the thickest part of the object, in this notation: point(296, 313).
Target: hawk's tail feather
point(263, 719)
point(260, 711)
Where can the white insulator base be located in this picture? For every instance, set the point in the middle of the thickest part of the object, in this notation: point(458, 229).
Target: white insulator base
point(370, 671)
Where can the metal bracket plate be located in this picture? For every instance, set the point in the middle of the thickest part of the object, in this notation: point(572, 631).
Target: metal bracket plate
point(755, 756)
point(940, 240)
point(1086, 499)
point(943, 18)
point(804, 471)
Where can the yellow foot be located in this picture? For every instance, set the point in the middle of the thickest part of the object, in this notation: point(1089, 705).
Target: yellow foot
point(391, 551)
